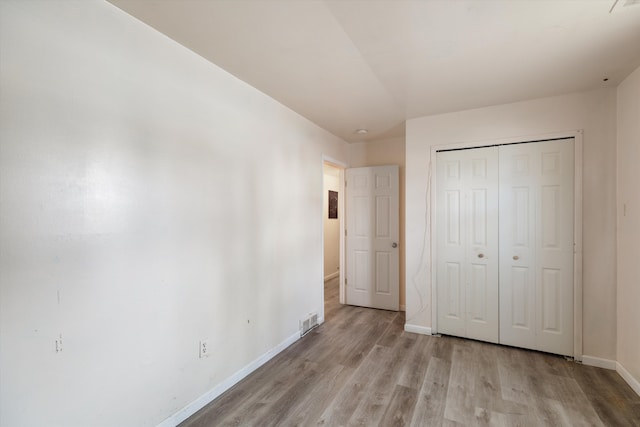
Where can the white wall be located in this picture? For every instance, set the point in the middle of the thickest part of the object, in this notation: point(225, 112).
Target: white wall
point(331, 226)
point(148, 199)
point(629, 225)
point(381, 153)
point(595, 113)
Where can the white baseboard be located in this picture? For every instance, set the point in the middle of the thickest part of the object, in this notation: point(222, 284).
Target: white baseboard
point(225, 385)
point(331, 276)
point(613, 365)
point(424, 330)
point(626, 375)
point(599, 362)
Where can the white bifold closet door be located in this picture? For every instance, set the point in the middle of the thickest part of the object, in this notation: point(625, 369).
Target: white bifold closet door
point(537, 245)
point(504, 260)
point(467, 236)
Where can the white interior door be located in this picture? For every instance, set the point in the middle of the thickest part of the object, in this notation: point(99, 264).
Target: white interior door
point(536, 245)
point(467, 243)
point(372, 211)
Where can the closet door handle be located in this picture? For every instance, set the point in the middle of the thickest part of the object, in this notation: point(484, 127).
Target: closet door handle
point(480, 255)
point(516, 257)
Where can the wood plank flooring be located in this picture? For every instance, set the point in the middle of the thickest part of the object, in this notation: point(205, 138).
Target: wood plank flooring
point(361, 368)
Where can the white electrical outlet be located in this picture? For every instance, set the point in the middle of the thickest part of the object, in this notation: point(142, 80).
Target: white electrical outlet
point(204, 349)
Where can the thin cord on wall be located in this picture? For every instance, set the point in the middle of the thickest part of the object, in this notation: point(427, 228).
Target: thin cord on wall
point(613, 6)
point(423, 268)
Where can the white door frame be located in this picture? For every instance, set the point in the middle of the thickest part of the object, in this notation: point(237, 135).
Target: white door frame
point(577, 222)
point(342, 166)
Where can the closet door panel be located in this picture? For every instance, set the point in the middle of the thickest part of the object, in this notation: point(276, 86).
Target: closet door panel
point(517, 246)
point(536, 246)
point(554, 314)
point(450, 234)
point(467, 227)
point(482, 244)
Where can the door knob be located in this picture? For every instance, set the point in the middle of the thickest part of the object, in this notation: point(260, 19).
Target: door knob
point(480, 255)
point(516, 257)
point(394, 245)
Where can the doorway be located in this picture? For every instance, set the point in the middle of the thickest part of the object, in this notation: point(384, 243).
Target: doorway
point(332, 236)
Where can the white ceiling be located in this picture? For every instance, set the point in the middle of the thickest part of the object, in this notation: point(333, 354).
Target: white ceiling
point(373, 64)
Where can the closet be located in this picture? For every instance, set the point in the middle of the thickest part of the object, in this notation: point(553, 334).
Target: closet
point(505, 244)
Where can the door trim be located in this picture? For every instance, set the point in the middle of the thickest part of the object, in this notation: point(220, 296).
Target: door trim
point(342, 166)
point(577, 221)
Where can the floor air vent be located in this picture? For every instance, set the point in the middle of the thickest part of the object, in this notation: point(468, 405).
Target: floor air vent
point(308, 324)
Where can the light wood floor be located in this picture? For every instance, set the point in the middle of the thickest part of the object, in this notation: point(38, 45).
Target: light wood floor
point(361, 368)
